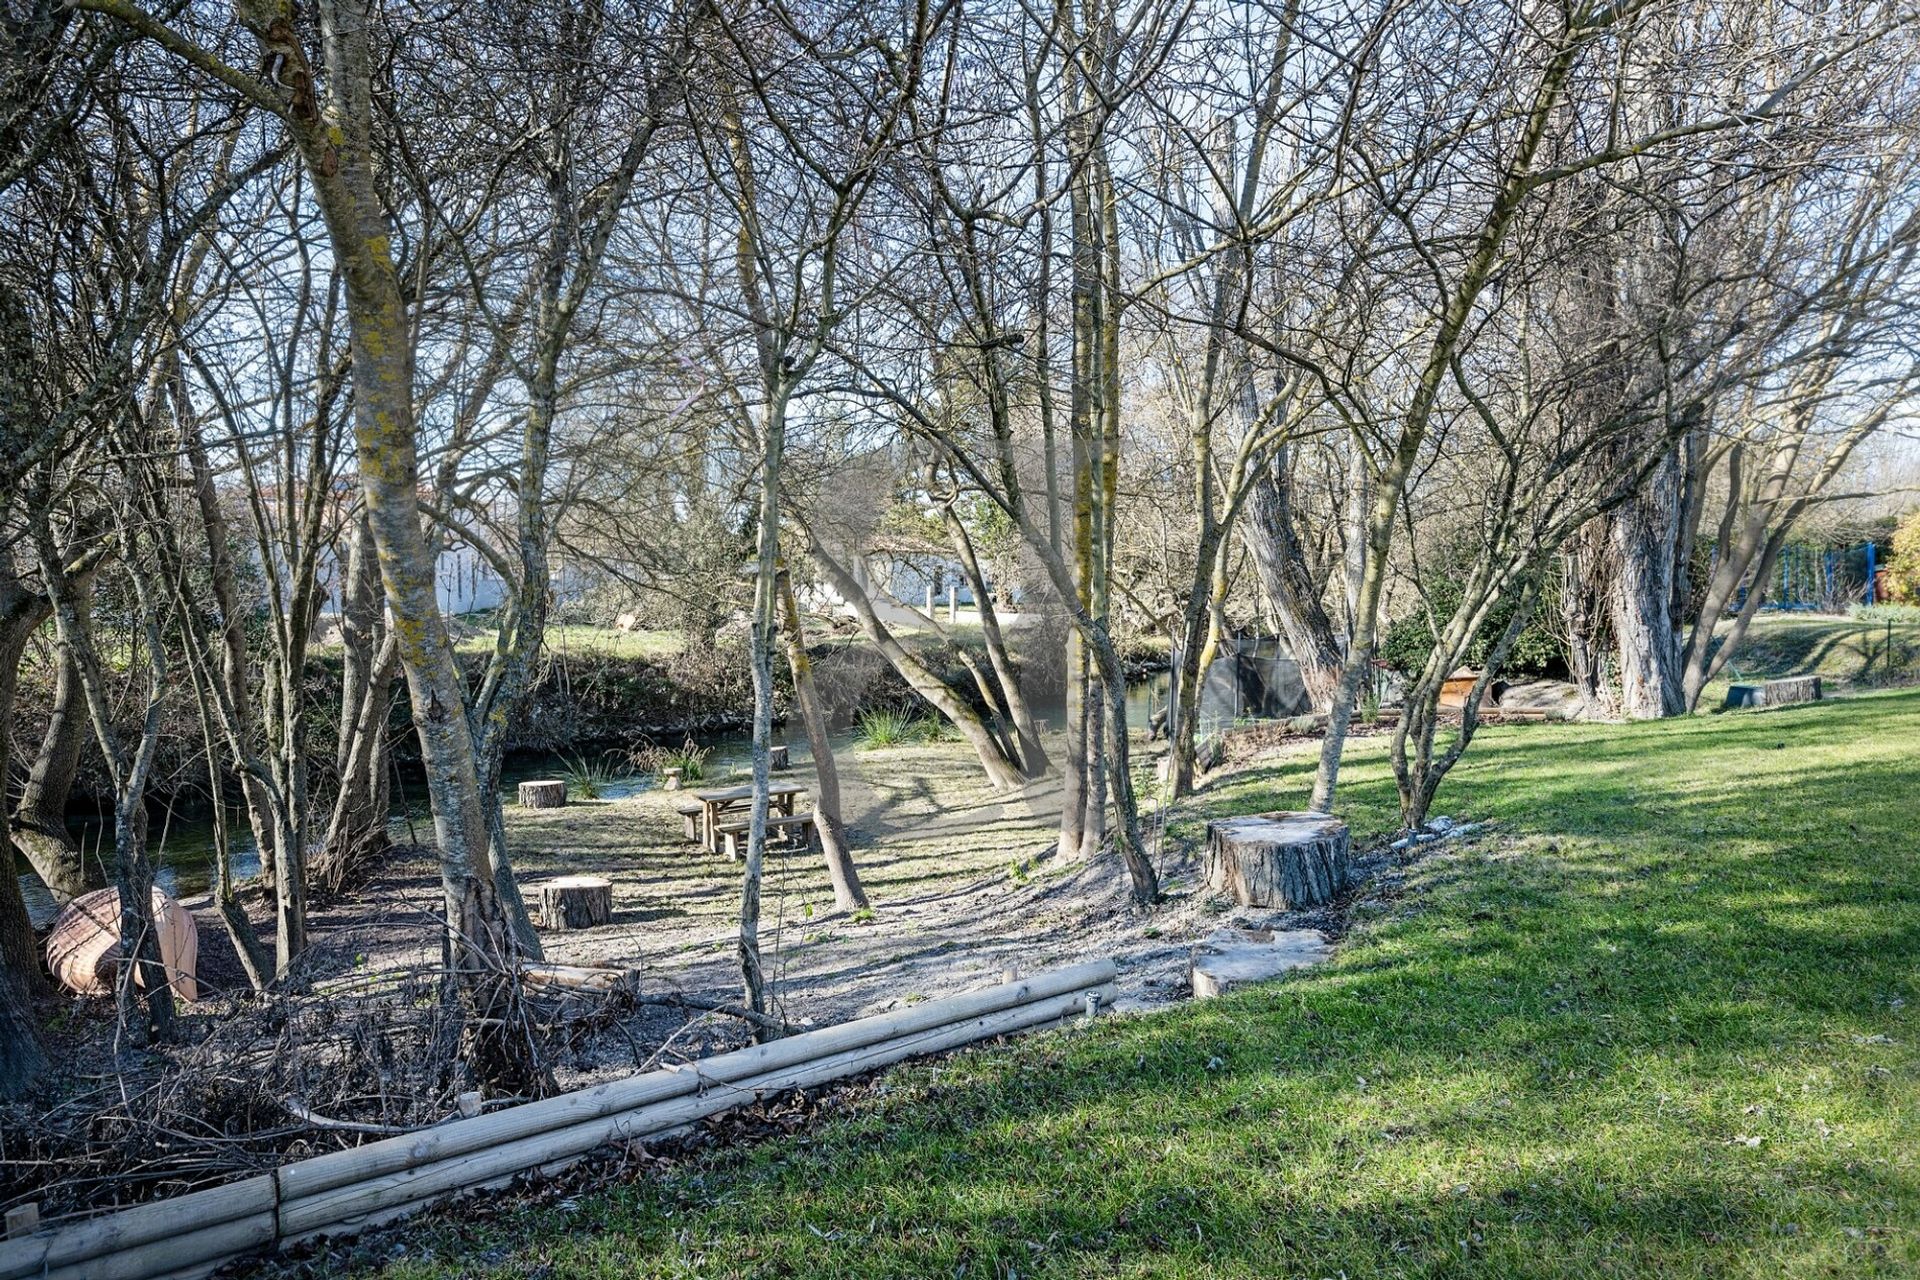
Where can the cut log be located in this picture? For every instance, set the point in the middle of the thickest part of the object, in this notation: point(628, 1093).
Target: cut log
point(576, 902)
point(83, 949)
point(1775, 693)
point(575, 977)
point(1287, 860)
point(544, 793)
point(777, 758)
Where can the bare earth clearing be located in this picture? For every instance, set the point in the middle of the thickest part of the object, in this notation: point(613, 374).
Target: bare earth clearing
point(963, 881)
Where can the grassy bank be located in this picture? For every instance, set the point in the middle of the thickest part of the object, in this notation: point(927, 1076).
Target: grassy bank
point(1661, 1023)
point(1848, 653)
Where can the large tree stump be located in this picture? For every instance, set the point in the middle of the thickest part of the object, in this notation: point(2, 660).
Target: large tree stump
point(543, 793)
point(576, 902)
point(1775, 693)
point(1286, 860)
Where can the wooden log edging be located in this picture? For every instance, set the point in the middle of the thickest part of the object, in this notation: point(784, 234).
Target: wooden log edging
point(345, 1191)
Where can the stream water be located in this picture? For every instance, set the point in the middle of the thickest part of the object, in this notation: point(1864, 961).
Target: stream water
point(183, 844)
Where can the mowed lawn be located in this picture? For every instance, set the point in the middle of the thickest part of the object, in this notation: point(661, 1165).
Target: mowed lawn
point(1662, 1023)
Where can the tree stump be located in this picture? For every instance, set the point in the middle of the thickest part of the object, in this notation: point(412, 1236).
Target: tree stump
point(1234, 957)
point(545, 793)
point(1775, 693)
point(1286, 860)
point(576, 902)
point(777, 758)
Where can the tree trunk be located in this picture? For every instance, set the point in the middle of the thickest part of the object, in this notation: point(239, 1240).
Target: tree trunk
point(1586, 599)
point(1289, 585)
point(23, 1057)
point(1390, 483)
point(848, 895)
point(254, 960)
point(1073, 764)
point(276, 811)
point(1001, 772)
point(1191, 656)
point(1353, 542)
point(151, 1020)
point(761, 640)
point(40, 819)
point(337, 151)
point(1129, 838)
point(1033, 756)
point(357, 828)
point(1359, 660)
point(1644, 539)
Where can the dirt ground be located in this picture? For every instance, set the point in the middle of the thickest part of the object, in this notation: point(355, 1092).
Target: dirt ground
point(963, 881)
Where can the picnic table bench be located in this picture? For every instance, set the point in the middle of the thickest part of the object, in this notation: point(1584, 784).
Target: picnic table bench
point(717, 802)
point(791, 829)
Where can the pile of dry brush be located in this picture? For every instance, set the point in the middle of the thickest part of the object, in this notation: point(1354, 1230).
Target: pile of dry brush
point(348, 1049)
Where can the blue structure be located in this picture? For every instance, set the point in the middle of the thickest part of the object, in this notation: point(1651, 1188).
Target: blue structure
point(1812, 578)
point(1807, 579)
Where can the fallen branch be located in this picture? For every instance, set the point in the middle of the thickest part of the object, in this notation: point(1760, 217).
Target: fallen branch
point(319, 1121)
point(586, 978)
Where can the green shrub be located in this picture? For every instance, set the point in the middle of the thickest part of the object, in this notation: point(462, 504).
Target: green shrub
point(885, 727)
point(936, 729)
point(589, 779)
point(1536, 651)
point(1903, 566)
point(689, 758)
point(1901, 615)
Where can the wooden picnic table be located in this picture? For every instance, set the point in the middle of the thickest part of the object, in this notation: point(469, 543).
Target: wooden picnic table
point(717, 801)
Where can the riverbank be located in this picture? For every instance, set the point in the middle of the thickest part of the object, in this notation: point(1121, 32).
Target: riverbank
point(598, 692)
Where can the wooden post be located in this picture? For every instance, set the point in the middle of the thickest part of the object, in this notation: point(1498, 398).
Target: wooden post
point(953, 603)
point(576, 902)
point(1286, 860)
point(778, 758)
point(545, 793)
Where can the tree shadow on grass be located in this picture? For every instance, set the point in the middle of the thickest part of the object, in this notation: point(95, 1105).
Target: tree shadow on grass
point(1609, 1044)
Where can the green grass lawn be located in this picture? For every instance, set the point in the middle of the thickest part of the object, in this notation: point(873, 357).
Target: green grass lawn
point(1662, 1023)
point(1849, 652)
